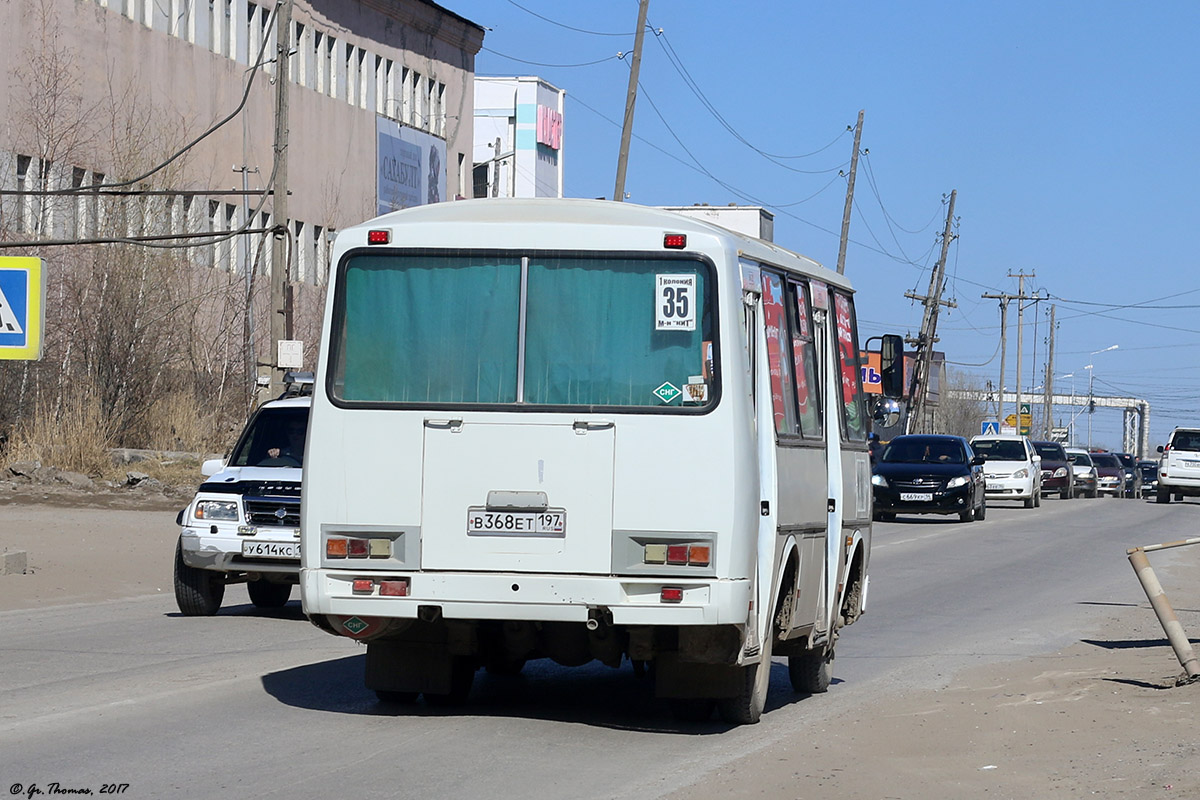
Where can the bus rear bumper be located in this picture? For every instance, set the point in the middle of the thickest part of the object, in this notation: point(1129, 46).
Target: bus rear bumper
point(518, 596)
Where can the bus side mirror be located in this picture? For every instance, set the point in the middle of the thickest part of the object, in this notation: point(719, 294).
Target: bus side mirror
point(887, 413)
point(891, 365)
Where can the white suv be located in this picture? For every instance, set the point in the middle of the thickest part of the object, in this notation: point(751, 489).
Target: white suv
point(243, 525)
point(1179, 466)
point(1012, 470)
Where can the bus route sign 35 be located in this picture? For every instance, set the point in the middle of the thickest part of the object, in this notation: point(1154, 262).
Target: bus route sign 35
point(22, 303)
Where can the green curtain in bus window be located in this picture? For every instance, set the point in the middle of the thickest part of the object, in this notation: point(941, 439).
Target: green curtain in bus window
point(424, 329)
point(591, 335)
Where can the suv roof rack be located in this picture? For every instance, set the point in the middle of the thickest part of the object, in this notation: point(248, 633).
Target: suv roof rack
point(297, 384)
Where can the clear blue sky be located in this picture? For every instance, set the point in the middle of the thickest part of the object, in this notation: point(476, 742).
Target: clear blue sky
point(1068, 129)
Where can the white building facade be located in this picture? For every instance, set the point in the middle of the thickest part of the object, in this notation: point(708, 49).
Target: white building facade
point(518, 147)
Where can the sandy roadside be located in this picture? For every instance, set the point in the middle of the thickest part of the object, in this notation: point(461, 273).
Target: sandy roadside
point(1101, 718)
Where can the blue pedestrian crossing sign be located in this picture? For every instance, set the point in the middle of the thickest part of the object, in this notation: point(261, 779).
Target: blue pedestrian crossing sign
point(22, 302)
point(988, 427)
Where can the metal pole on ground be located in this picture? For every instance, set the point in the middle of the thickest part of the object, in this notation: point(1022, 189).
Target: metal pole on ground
point(1166, 615)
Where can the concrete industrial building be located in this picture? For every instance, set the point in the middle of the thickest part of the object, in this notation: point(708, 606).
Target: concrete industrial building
point(99, 90)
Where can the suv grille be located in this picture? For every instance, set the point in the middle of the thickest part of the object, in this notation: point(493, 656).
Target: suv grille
point(273, 511)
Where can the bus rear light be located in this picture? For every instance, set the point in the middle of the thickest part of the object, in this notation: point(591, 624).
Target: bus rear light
point(379, 548)
point(671, 594)
point(335, 548)
point(364, 586)
point(674, 241)
point(393, 588)
point(356, 548)
point(677, 554)
point(379, 237)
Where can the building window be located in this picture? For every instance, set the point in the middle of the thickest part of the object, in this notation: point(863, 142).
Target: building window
point(297, 69)
point(406, 96)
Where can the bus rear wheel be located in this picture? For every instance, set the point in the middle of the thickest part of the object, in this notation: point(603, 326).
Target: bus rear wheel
point(811, 672)
point(746, 707)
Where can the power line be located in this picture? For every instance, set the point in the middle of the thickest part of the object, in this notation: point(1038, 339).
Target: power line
point(563, 25)
point(555, 66)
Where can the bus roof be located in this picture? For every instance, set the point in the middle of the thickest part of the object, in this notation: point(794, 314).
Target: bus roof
point(511, 213)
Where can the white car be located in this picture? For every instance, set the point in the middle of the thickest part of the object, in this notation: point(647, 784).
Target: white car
point(243, 525)
point(1086, 479)
point(1012, 470)
point(1179, 466)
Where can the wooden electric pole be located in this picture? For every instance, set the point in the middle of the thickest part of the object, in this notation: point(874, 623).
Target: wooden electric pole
point(1020, 297)
point(630, 100)
point(841, 262)
point(1048, 384)
point(919, 391)
point(281, 317)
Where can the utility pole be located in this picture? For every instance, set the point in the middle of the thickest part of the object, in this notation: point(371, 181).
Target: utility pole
point(1020, 343)
point(1004, 299)
point(1003, 358)
point(1048, 401)
point(248, 318)
point(631, 100)
point(281, 316)
point(841, 262)
point(919, 391)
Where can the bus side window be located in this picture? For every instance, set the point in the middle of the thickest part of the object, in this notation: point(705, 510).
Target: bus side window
point(804, 359)
point(854, 409)
point(779, 362)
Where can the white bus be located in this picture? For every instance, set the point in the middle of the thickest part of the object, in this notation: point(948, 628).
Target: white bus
point(579, 430)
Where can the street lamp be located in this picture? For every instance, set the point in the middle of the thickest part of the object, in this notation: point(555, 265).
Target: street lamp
point(1091, 395)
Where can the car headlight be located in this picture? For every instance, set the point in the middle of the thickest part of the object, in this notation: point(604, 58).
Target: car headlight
point(961, 480)
point(217, 510)
point(1061, 472)
point(1023, 472)
point(879, 480)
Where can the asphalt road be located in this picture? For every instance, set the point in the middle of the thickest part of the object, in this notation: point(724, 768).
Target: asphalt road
point(262, 704)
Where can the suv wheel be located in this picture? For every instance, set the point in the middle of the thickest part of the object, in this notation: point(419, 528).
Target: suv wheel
point(265, 594)
point(198, 592)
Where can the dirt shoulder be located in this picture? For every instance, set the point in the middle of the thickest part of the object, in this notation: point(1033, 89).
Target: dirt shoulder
point(76, 555)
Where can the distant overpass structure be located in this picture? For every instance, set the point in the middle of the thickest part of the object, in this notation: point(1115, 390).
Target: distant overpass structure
point(1135, 428)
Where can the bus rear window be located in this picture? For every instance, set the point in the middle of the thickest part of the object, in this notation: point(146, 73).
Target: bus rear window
point(446, 329)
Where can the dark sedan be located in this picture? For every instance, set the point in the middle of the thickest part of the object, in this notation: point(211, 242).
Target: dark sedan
point(1057, 475)
point(1149, 470)
point(1110, 474)
point(928, 474)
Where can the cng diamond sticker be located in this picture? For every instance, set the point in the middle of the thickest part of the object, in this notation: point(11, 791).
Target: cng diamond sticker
point(667, 392)
point(354, 625)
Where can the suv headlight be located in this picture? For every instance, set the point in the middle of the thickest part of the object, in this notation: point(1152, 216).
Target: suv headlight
point(1023, 472)
point(1061, 472)
point(961, 480)
point(879, 480)
point(217, 510)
